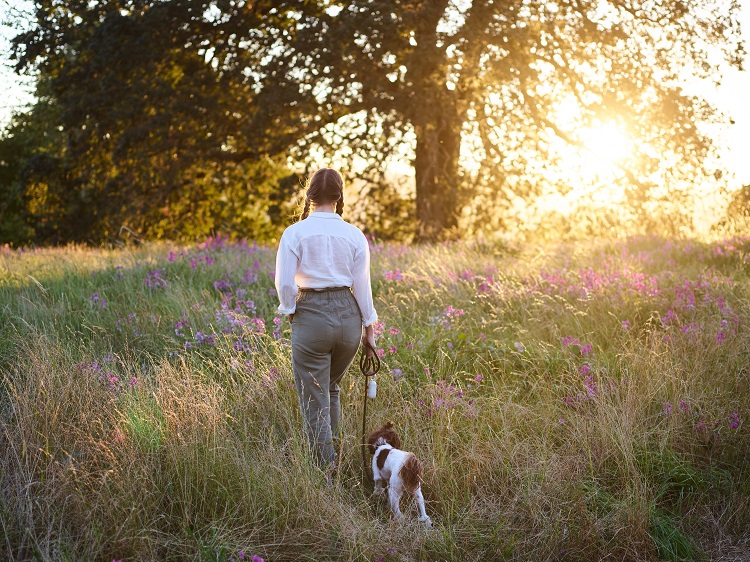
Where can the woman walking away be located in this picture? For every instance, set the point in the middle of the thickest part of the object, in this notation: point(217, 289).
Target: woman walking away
point(323, 284)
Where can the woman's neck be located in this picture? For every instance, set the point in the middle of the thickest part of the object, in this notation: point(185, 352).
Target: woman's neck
point(325, 208)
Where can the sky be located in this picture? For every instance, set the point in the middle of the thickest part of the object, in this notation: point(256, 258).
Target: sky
point(732, 97)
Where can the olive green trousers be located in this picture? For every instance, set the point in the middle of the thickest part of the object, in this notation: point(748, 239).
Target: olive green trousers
point(326, 331)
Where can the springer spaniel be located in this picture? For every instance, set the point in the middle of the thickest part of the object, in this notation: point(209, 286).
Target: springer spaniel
point(398, 470)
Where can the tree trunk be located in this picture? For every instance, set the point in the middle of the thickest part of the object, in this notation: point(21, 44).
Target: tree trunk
point(438, 132)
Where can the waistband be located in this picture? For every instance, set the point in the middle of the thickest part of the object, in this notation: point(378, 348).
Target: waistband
point(325, 290)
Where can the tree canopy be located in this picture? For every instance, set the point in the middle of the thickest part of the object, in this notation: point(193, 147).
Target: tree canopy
point(171, 109)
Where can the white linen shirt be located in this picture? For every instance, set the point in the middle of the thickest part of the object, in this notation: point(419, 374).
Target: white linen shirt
point(324, 251)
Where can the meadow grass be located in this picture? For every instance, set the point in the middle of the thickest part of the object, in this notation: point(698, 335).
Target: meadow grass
point(571, 402)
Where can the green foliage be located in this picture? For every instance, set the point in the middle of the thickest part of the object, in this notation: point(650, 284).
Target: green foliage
point(158, 136)
point(144, 422)
point(27, 208)
point(671, 543)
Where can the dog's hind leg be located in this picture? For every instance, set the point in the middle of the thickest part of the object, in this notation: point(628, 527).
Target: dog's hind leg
point(394, 497)
point(423, 517)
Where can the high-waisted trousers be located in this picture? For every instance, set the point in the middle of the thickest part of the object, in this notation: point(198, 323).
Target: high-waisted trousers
point(326, 331)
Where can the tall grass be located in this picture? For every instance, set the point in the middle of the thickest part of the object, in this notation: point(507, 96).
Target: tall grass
point(577, 402)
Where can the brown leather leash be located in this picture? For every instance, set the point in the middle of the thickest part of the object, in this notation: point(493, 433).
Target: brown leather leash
point(369, 365)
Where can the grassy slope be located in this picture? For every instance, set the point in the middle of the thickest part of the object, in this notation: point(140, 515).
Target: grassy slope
point(570, 402)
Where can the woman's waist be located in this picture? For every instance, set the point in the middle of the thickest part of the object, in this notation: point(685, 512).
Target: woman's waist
point(324, 289)
point(323, 280)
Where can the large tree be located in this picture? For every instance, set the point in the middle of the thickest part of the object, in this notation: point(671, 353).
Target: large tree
point(149, 88)
point(166, 132)
point(499, 73)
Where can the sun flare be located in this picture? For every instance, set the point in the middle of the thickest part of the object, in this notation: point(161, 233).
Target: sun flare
point(607, 143)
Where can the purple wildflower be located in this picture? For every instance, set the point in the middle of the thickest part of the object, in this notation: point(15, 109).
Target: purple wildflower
point(668, 317)
point(590, 387)
point(155, 279)
point(98, 300)
point(570, 340)
point(223, 285)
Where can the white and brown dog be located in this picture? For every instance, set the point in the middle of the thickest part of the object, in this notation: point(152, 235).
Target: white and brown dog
point(399, 470)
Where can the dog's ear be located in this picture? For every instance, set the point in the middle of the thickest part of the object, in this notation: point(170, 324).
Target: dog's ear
point(393, 439)
point(374, 436)
point(388, 435)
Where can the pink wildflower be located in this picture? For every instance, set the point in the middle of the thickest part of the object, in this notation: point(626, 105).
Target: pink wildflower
point(590, 387)
point(570, 340)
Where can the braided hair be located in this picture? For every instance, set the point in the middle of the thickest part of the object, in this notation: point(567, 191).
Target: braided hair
point(325, 186)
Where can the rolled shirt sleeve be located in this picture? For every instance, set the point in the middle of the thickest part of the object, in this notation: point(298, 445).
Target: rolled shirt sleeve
point(361, 286)
point(286, 268)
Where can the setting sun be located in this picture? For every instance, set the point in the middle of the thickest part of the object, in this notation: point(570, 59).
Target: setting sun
point(607, 143)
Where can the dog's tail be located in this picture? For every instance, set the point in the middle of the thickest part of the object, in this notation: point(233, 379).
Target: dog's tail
point(411, 473)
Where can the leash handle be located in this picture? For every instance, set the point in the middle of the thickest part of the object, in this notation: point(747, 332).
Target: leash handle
point(369, 364)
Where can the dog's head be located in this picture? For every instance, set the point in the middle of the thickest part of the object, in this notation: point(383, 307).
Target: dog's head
point(386, 434)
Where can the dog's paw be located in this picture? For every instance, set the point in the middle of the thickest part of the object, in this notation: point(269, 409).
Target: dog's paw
point(427, 521)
